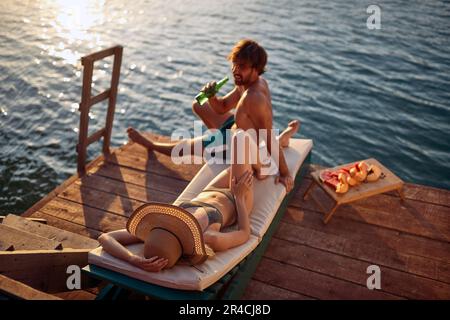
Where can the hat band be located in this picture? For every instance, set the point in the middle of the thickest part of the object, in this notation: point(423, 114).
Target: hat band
point(178, 239)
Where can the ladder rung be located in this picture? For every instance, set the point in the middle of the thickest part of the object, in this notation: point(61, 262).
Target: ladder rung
point(95, 136)
point(100, 97)
point(99, 55)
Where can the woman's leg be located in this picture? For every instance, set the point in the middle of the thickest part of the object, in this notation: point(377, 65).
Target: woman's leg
point(243, 150)
point(241, 163)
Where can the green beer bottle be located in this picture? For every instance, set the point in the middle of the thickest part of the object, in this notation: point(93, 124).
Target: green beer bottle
point(202, 97)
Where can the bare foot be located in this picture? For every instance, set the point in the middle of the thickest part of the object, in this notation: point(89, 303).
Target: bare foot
point(291, 129)
point(135, 136)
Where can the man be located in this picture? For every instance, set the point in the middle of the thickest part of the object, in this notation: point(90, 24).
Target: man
point(251, 100)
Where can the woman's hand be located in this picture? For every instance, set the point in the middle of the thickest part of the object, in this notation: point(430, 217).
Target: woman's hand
point(153, 264)
point(243, 185)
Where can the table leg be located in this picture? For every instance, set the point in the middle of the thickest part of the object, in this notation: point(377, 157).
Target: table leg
point(400, 193)
point(330, 214)
point(308, 190)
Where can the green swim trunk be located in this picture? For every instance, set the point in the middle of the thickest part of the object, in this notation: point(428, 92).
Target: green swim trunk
point(211, 138)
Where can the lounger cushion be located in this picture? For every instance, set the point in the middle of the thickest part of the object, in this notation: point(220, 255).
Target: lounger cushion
point(265, 203)
point(268, 197)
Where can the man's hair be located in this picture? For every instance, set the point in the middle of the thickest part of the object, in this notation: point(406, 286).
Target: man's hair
point(249, 51)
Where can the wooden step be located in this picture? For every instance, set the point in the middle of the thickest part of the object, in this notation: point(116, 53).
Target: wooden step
point(18, 290)
point(66, 238)
point(22, 240)
point(31, 219)
point(44, 270)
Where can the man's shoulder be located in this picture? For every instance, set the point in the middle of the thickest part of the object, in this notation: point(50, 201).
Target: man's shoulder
point(254, 96)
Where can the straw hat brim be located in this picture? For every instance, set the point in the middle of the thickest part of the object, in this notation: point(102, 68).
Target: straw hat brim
point(177, 220)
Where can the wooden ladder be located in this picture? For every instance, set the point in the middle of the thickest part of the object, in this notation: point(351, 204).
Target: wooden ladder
point(87, 101)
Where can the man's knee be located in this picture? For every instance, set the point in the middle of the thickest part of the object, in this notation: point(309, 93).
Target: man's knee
point(238, 136)
point(196, 108)
point(244, 147)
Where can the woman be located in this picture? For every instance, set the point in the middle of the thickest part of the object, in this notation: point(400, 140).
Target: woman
point(227, 199)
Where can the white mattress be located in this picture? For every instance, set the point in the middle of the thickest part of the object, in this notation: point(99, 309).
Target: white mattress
point(267, 199)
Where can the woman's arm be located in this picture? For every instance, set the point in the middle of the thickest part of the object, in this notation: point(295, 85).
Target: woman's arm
point(220, 241)
point(114, 243)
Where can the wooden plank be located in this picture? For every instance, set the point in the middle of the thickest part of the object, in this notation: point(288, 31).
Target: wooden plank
point(411, 216)
point(68, 239)
point(361, 232)
point(427, 194)
point(257, 290)
point(353, 270)
point(443, 272)
point(89, 217)
point(18, 290)
point(69, 226)
point(92, 166)
point(100, 54)
point(314, 284)
point(110, 202)
point(100, 200)
point(100, 97)
point(112, 98)
point(59, 189)
point(140, 178)
point(82, 145)
point(21, 240)
point(43, 221)
point(95, 136)
point(139, 158)
point(124, 189)
point(75, 295)
point(44, 270)
point(365, 247)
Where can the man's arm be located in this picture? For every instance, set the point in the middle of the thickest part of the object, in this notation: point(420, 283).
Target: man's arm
point(224, 104)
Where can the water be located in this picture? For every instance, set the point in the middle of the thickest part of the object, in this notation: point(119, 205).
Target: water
point(359, 93)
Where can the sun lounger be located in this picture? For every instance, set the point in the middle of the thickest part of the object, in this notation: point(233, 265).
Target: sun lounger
point(227, 273)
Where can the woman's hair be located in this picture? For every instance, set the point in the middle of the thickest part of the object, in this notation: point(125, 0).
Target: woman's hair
point(249, 51)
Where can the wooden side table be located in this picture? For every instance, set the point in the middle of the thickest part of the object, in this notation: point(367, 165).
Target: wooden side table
point(388, 182)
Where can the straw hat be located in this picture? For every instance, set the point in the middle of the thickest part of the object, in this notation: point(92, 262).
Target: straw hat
point(169, 232)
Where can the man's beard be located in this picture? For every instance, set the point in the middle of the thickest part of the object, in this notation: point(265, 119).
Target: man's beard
point(240, 82)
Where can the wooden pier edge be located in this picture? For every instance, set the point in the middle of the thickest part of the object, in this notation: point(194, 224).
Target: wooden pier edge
point(60, 188)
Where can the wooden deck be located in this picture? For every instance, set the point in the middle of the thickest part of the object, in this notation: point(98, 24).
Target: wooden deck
point(409, 241)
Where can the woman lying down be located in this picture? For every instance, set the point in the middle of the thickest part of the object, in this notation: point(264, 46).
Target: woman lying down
point(186, 229)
